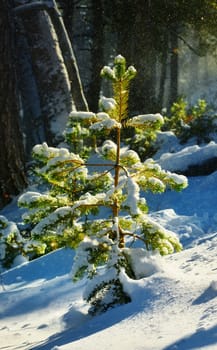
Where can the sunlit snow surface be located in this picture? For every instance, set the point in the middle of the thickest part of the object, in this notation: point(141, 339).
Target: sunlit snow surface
point(174, 308)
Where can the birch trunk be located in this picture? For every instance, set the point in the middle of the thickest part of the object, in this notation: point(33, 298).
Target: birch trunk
point(49, 70)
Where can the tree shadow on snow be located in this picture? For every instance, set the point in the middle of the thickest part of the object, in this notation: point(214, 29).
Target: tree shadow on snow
point(201, 338)
point(78, 325)
point(207, 295)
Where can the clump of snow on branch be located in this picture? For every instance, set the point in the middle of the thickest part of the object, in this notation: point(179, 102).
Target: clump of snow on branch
point(155, 183)
point(107, 104)
point(133, 196)
point(104, 122)
point(30, 197)
point(178, 179)
point(159, 238)
point(88, 199)
point(109, 150)
point(129, 157)
point(108, 71)
point(54, 155)
point(43, 150)
point(51, 219)
point(142, 120)
point(83, 115)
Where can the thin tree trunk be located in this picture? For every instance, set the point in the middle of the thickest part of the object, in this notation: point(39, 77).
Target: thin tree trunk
point(69, 58)
point(96, 56)
point(173, 67)
point(32, 121)
point(143, 92)
point(68, 14)
point(12, 175)
point(164, 57)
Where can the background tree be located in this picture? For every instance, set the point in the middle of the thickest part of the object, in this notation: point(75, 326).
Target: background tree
point(84, 21)
point(51, 76)
point(96, 54)
point(12, 177)
point(53, 65)
point(155, 35)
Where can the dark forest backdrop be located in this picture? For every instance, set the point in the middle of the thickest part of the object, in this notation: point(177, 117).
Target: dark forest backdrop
point(51, 54)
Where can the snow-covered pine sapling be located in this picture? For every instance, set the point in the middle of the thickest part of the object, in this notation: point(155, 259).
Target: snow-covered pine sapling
point(102, 256)
point(14, 248)
point(97, 202)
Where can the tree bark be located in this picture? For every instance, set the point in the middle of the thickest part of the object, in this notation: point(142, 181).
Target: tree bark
point(65, 46)
point(50, 74)
point(12, 175)
point(32, 122)
point(69, 58)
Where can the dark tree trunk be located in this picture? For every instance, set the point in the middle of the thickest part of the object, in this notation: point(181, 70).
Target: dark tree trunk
point(68, 14)
point(145, 60)
point(12, 176)
point(173, 89)
point(93, 91)
point(163, 71)
point(32, 122)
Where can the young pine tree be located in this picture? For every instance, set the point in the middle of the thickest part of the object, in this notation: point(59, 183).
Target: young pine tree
point(99, 202)
point(14, 248)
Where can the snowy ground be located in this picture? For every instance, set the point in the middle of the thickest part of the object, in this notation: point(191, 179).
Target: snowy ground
point(174, 308)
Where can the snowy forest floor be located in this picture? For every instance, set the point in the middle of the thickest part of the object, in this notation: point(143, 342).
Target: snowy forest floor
point(174, 308)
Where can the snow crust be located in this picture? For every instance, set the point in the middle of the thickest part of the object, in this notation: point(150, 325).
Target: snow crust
point(144, 263)
point(191, 155)
point(132, 196)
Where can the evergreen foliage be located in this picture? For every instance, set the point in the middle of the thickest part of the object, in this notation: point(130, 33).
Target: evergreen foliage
point(191, 121)
point(98, 202)
point(14, 246)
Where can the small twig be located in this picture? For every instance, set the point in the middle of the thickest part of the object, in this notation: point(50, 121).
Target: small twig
point(99, 164)
point(103, 174)
point(108, 164)
point(126, 233)
point(195, 51)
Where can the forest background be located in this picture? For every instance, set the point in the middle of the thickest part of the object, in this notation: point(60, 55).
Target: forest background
point(51, 54)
